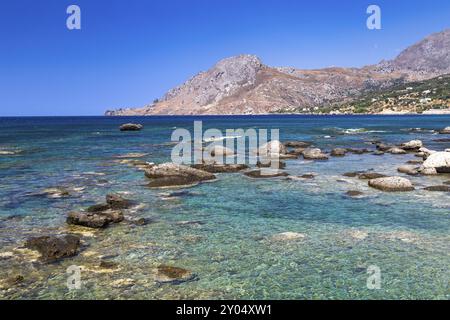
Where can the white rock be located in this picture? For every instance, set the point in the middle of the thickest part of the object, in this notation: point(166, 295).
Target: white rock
point(412, 145)
point(439, 161)
point(391, 184)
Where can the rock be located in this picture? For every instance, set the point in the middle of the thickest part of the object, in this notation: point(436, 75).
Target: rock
point(447, 150)
point(391, 184)
point(447, 182)
point(338, 152)
point(171, 174)
point(445, 131)
point(410, 170)
point(383, 147)
point(354, 193)
point(173, 275)
point(412, 145)
point(314, 154)
point(296, 151)
point(53, 248)
point(273, 147)
point(370, 175)
point(288, 236)
point(358, 151)
point(220, 151)
point(113, 216)
point(414, 162)
point(279, 165)
point(116, 201)
point(307, 176)
point(352, 174)
point(98, 208)
point(108, 264)
point(140, 221)
point(440, 161)
point(220, 168)
point(378, 153)
point(428, 171)
point(396, 150)
point(297, 144)
point(267, 173)
point(56, 192)
point(131, 127)
point(89, 220)
point(426, 152)
point(438, 188)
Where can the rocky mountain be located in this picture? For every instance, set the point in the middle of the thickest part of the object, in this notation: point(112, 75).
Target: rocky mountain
point(244, 85)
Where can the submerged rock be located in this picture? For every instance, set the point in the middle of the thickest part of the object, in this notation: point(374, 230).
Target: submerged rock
point(288, 236)
point(173, 275)
point(131, 127)
point(391, 184)
point(220, 168)
point(53, 248)
point(440, 161)
point(297, 144)
point(370, 175)
point(267, 173)
point(358, 151)
point(116, 201)
point(171, 174)
point(354, 193)
point(314, 154)
point(378, 153)
point(438, 188)
point(277, 164)
point(410, 170)
point(338, 152)
point(56, 192)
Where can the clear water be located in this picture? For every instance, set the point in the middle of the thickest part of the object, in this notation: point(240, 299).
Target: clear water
point(233, 253)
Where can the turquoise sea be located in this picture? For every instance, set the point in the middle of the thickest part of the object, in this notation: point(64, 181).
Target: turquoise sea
point(224, 230)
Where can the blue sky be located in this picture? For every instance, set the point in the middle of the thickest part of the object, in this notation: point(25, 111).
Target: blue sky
point(130, 52)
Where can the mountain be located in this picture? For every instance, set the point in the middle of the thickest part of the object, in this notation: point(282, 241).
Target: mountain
point(244, 85)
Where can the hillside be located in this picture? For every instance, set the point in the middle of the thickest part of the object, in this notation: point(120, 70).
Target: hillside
point(244, 85)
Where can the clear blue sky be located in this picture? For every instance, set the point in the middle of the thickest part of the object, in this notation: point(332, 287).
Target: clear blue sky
point(132, 51)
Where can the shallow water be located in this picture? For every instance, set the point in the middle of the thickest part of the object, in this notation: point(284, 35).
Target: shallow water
point(231, 249)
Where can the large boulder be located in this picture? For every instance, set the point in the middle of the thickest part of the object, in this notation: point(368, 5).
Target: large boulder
point(391, 184)
point(53, 248)
point(412, 145)
point(445, 131)
point(314, 154)
point(171, 174)
point(131, 127)
point(440, 161)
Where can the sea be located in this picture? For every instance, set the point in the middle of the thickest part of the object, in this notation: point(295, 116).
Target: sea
point(231, 233)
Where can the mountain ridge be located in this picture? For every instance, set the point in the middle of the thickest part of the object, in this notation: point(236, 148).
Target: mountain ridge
point(244, 85)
